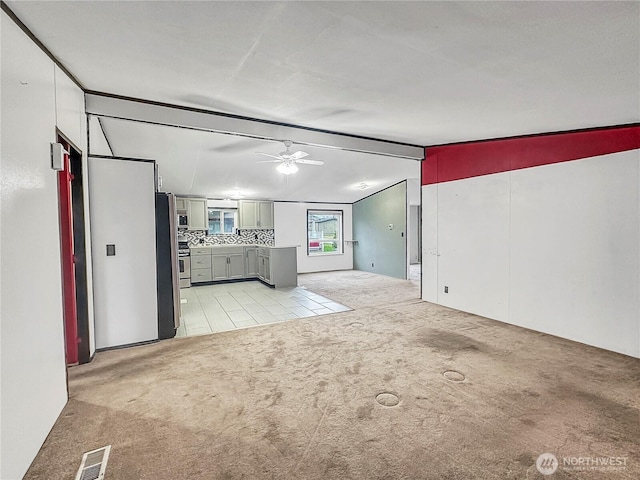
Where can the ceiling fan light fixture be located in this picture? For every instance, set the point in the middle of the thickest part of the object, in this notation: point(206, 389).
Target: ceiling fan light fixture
point(287, 168)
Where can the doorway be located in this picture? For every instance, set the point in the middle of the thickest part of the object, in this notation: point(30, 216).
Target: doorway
point(73, 255)
point(415, 244)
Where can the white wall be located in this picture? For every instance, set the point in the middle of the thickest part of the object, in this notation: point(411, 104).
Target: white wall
point(217, 203)
point(553, 248)
point(473, 243)
point(33, 377)
point(98, 144)
point(291, 229)
point(123, 213)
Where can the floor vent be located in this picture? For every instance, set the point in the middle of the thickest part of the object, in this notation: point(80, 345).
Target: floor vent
point(94, 464)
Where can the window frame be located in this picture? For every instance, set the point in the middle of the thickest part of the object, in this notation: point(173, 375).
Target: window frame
point(222, 211)
point(320, 253)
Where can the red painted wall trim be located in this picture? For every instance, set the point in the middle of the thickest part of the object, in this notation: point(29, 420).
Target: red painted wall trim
point(454, 162)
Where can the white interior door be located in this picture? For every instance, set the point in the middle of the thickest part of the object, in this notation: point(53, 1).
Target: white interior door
point(122, 199)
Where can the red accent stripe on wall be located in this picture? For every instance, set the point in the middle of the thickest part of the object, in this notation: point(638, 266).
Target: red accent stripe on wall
point(455, 162)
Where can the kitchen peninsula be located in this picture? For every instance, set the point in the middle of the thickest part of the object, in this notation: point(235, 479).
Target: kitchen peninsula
point(274, 266)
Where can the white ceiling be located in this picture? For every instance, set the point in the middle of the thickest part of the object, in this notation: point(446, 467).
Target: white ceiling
point(200, 163)
point(423, 73)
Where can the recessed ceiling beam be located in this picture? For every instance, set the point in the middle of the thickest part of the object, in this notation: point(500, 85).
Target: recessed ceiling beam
point(162, 114)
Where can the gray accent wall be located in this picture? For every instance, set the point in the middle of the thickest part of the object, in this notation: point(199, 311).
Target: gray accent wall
point(380, 249)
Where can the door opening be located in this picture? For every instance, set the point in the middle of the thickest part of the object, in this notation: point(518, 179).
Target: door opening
point(73, 256)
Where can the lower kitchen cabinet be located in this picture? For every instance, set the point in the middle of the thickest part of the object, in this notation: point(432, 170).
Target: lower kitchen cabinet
point(250, 262)
point(201, 261)
point(201, 265)
point(236, 265)
point(200, 275)
point(227, 262)
point(227, 266)
point(264, 268)
point(278, 266)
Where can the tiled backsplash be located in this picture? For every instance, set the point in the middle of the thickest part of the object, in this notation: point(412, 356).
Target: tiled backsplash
point(243, 237)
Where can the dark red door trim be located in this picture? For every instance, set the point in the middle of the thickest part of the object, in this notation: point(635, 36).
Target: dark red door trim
point(455, 162)
point(67, 258)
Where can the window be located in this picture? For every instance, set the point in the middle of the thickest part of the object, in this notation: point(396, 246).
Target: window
point(324, 232)
point(222, 221)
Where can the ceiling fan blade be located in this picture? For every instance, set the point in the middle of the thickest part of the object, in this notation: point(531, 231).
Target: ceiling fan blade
point(297, 155)
point(267, 155)
point(310, 162)
point(270, 161)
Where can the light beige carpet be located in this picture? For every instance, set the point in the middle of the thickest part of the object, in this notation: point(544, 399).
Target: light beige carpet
point(316, 399)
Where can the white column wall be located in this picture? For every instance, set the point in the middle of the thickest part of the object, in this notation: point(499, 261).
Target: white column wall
point(123, 214)
point(290, 225)
point(429, 267)
point(553, 248)
point(33, 371)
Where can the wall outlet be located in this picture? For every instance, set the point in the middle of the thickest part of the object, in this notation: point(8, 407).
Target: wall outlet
point(391, 226)
point(446, 289)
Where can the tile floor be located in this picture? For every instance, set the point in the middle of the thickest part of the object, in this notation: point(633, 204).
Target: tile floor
point(228, 306)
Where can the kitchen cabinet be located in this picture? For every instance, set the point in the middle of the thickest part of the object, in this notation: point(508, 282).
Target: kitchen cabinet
point(201, 265)
point(265, 214)
point(227, 263)
point(250, 262)
point(181, 204)
point(197, 214)
point(264, 267)
point(278, 266)
point(255, 214)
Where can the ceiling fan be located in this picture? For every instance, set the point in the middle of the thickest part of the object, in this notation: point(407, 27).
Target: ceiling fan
point(289, 159)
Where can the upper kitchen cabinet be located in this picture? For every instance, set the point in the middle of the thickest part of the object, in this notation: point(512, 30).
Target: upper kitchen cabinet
point(182, 205)
point(197, 214)
point(255, 214)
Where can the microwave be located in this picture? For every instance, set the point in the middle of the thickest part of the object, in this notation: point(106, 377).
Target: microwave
point(183, 221)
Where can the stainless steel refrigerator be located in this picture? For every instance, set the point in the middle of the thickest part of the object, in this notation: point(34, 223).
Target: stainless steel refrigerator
point(167, 266)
